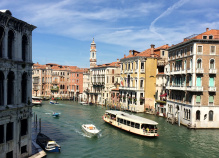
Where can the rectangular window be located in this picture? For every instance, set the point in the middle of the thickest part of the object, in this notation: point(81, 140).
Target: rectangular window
point(112, 71)
point(24, 127)
point(9, 154)
point(185, 51)
point(124, 121)
point(204, 37)
point(9, 131)
point(141, 83)
point(211, 82)
point(1, 134)
point(211, 99)
point(137, 125)
point(128, 123)
point(213, 49)
point(121, 121)
point(23, 149)
point(113, 79)
point(191, 50)
point(142, 65)
point(199, 49)
point(198, 99)
point(210, 37)
point(132, 124)
point(163, 53)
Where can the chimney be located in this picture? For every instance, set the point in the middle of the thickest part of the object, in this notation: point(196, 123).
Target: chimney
point(117, 60)
point(207, 29)
point(124, 56)
point(130, 52)
point(152, 49)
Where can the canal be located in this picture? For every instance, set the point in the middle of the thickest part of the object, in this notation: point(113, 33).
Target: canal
point(173, 141)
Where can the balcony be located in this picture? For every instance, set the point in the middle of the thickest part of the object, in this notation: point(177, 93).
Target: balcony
point(195, 88)
point(55, 88)
point(212, 89)
point(136, 70)
point(54, 82)
point(127, 88)
point(142, 70)
point(180, 88)
point(199, 70)
point(189, 70)
point(212, 71)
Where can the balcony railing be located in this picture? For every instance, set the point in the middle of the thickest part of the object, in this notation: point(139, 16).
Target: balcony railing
point(212, 89)
point(212, 71)
point(142, 70)
point(54, 88)
point(199, 70)
point(195, 88)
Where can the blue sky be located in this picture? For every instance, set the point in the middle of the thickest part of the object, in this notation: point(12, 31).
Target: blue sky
point(65, 28)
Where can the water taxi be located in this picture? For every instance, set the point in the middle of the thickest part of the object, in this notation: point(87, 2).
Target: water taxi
point(131, 123)
point(90, 130)
point(37, 101)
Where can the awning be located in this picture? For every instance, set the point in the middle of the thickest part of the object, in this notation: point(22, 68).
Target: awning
point(163, 95)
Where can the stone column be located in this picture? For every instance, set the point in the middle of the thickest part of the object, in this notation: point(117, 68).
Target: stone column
point(5, 46)
point(5, 89)
point(29, 86)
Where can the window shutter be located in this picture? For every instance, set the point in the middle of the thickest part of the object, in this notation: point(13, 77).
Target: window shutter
point(211, 99)
point(198, 99)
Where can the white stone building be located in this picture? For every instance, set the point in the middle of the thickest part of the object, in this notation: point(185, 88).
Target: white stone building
point(15, 86)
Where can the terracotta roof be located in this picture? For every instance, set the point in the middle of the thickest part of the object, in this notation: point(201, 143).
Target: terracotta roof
point(113, 64)
point(213, 32)
point(147, 52)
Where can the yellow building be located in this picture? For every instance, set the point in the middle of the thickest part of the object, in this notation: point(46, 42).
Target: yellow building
point(138, 80)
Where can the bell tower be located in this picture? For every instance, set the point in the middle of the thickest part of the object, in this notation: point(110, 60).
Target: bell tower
point(93, 59)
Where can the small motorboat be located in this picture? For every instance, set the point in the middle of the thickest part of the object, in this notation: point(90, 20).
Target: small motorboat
point(53, 102)
point(47, 144)
point(55, 114)
point(90, 130)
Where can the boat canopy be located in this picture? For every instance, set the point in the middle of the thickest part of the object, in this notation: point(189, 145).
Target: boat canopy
point(132, 118)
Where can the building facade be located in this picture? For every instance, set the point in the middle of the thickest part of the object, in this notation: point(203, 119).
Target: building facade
point(15, 86)
point(138, 80)
point(57, 81)
point(161, 82)
point(193, 81)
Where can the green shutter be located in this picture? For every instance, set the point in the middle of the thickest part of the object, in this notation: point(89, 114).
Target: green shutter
point(211, 99)
point(211, 82)
point(198, 81)
point(198, 99)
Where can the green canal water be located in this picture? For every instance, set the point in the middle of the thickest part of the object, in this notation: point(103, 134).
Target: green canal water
point(173, 141)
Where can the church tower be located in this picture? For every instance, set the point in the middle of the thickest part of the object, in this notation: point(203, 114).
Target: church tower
point(93, 59)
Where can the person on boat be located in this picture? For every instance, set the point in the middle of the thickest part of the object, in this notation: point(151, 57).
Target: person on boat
point(147, 129)
point(143, 129)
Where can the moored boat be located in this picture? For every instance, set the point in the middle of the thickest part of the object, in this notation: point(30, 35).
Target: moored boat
point(90, 129)
point(37, 101)
point(131, 123)
point(47, 144)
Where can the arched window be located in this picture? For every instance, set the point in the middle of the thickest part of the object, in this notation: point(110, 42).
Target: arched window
point(211, 115)
point(1, 88)
point(1, 41)
point(199, 63)
point(24, 48)
point(212, 64)
point(10, 86)
point(198, 115)
point(24, 88)
point(10, 43)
